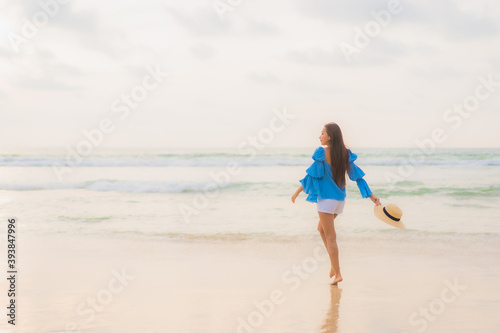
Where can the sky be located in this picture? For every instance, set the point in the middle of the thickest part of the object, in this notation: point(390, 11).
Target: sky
point(203, 73)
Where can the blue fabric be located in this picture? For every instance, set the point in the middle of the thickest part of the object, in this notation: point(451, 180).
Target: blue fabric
point(318, 182)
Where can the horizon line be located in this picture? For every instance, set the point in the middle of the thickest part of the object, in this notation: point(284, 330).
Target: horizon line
point(232, 147)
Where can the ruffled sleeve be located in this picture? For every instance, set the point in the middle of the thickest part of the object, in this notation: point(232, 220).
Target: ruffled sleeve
point(356, 174)
point(310, 183)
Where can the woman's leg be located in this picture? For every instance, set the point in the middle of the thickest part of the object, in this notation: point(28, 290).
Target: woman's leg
point(322, 233)
point(323, 237)
point(327, 224)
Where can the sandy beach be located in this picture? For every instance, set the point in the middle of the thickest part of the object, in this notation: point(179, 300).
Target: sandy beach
point(97, 284)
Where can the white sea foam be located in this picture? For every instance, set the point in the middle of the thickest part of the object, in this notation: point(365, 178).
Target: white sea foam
point(221, 161)
point(113, 185)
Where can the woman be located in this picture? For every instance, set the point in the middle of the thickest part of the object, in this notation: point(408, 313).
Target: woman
point(325, 185)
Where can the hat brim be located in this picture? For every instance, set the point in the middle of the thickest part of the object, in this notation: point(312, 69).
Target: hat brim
point(379, 213)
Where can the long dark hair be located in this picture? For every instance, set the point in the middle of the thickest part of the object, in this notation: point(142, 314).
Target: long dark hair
point(338, 154)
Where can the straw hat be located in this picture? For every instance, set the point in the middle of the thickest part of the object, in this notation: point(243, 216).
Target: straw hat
point(390, 214)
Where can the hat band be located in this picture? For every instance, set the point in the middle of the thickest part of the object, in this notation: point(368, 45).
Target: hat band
point(390, 216)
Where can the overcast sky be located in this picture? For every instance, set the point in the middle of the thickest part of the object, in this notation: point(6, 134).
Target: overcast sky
point(228, 72)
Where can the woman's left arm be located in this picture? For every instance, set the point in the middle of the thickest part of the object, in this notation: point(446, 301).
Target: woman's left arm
point(356, 174)
point(375, 200)
point(294, 196)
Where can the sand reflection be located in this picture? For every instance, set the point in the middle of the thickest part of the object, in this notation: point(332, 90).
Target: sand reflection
point(332, 316)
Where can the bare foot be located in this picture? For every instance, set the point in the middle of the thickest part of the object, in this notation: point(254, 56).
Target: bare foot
point(336, 280)
point(332, 272)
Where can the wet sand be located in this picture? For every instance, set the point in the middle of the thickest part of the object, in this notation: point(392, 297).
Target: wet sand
point(98, 284)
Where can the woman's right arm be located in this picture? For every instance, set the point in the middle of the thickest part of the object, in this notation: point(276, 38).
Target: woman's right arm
point(294, 196)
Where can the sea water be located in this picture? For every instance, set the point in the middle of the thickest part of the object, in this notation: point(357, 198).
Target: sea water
point(219, 194)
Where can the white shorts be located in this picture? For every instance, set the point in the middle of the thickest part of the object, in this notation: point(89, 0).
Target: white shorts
point(330, 206)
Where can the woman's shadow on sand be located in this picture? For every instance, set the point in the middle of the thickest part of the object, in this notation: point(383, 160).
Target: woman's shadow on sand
point(332, 316)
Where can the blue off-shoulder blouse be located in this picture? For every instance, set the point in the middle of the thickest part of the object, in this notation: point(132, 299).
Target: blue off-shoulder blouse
point(318, 182)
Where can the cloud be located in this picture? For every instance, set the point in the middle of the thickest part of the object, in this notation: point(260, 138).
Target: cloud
point(444, 16)
point(389, 47)
point(435, 71)
point(320, 88)
point(344, 11)
point(316, 57)
point(66, 21)
point(6, 52)
point(200, 20)
point(494, 62)
point(202, 51)
point(65, 15)
point(85, 21)
point(43, 83)
point(380, 51)
point(204, 21)
point(263, 27)
point(28, 7)
point(263, 77)
point(46, 72)
point(94, 50)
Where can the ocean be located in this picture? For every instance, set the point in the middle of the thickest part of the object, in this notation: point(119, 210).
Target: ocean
point(220, 194)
